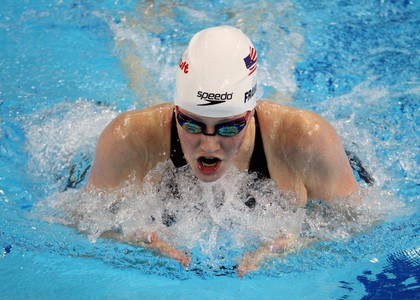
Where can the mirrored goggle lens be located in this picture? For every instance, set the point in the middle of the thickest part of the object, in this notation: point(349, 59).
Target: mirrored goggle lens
point(228, 129)
point(191, 127)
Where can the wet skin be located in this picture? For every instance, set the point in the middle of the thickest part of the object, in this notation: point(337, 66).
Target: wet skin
point(304, 156)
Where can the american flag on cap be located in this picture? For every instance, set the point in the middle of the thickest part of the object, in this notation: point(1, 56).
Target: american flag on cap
point(251, 60)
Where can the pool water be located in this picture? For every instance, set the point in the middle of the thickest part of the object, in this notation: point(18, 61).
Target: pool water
point(69, 67)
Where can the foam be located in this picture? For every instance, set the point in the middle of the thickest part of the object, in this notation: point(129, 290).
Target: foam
point(63, 135)
point(212, 218)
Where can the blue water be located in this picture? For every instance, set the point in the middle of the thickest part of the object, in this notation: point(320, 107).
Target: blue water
point(68, 67)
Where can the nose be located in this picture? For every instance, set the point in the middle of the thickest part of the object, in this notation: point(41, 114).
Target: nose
point(209, 144)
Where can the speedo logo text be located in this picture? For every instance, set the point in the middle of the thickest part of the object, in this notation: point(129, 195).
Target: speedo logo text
point(214, 98)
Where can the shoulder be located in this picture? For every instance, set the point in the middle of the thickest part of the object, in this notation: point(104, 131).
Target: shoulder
point(284, 120)
point(141, 136)
point(296, 132)
point(134, 141)
point(148, 117)
point(308, 146)
point(134, 128)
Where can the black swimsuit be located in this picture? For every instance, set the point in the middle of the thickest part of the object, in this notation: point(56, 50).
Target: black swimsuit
point(258, 164)
point(258, 161)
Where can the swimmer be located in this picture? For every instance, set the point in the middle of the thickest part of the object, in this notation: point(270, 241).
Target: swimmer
point(215, 123)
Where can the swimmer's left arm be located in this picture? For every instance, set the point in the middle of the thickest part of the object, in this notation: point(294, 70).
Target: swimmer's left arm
point(327, 175)
point(328, 172)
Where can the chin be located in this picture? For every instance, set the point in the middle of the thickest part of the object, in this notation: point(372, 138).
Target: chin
point(209, 177)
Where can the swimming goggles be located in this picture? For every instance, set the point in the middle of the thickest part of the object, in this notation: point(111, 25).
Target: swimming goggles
point(227, 129)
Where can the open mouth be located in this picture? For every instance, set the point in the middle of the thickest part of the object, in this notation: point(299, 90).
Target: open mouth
point(208, 162)
point(208, 165)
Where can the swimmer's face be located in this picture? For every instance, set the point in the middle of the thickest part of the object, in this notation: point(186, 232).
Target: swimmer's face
point(210, 145)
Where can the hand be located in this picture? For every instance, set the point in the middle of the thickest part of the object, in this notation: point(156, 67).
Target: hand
point(252, 259)
point(151, 241)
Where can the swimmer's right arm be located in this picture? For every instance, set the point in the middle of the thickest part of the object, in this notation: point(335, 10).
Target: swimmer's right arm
point(122, 151)
point(131, 145)
point(115, 155)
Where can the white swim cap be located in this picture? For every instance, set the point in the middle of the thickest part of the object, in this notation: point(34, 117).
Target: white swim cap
point(217, 74)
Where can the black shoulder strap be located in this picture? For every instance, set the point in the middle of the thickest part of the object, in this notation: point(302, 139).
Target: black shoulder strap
point(177, 156)
point(258, 161)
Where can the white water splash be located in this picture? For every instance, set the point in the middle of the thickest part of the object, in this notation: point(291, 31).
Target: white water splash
point(58, 136)
point(211, 216)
